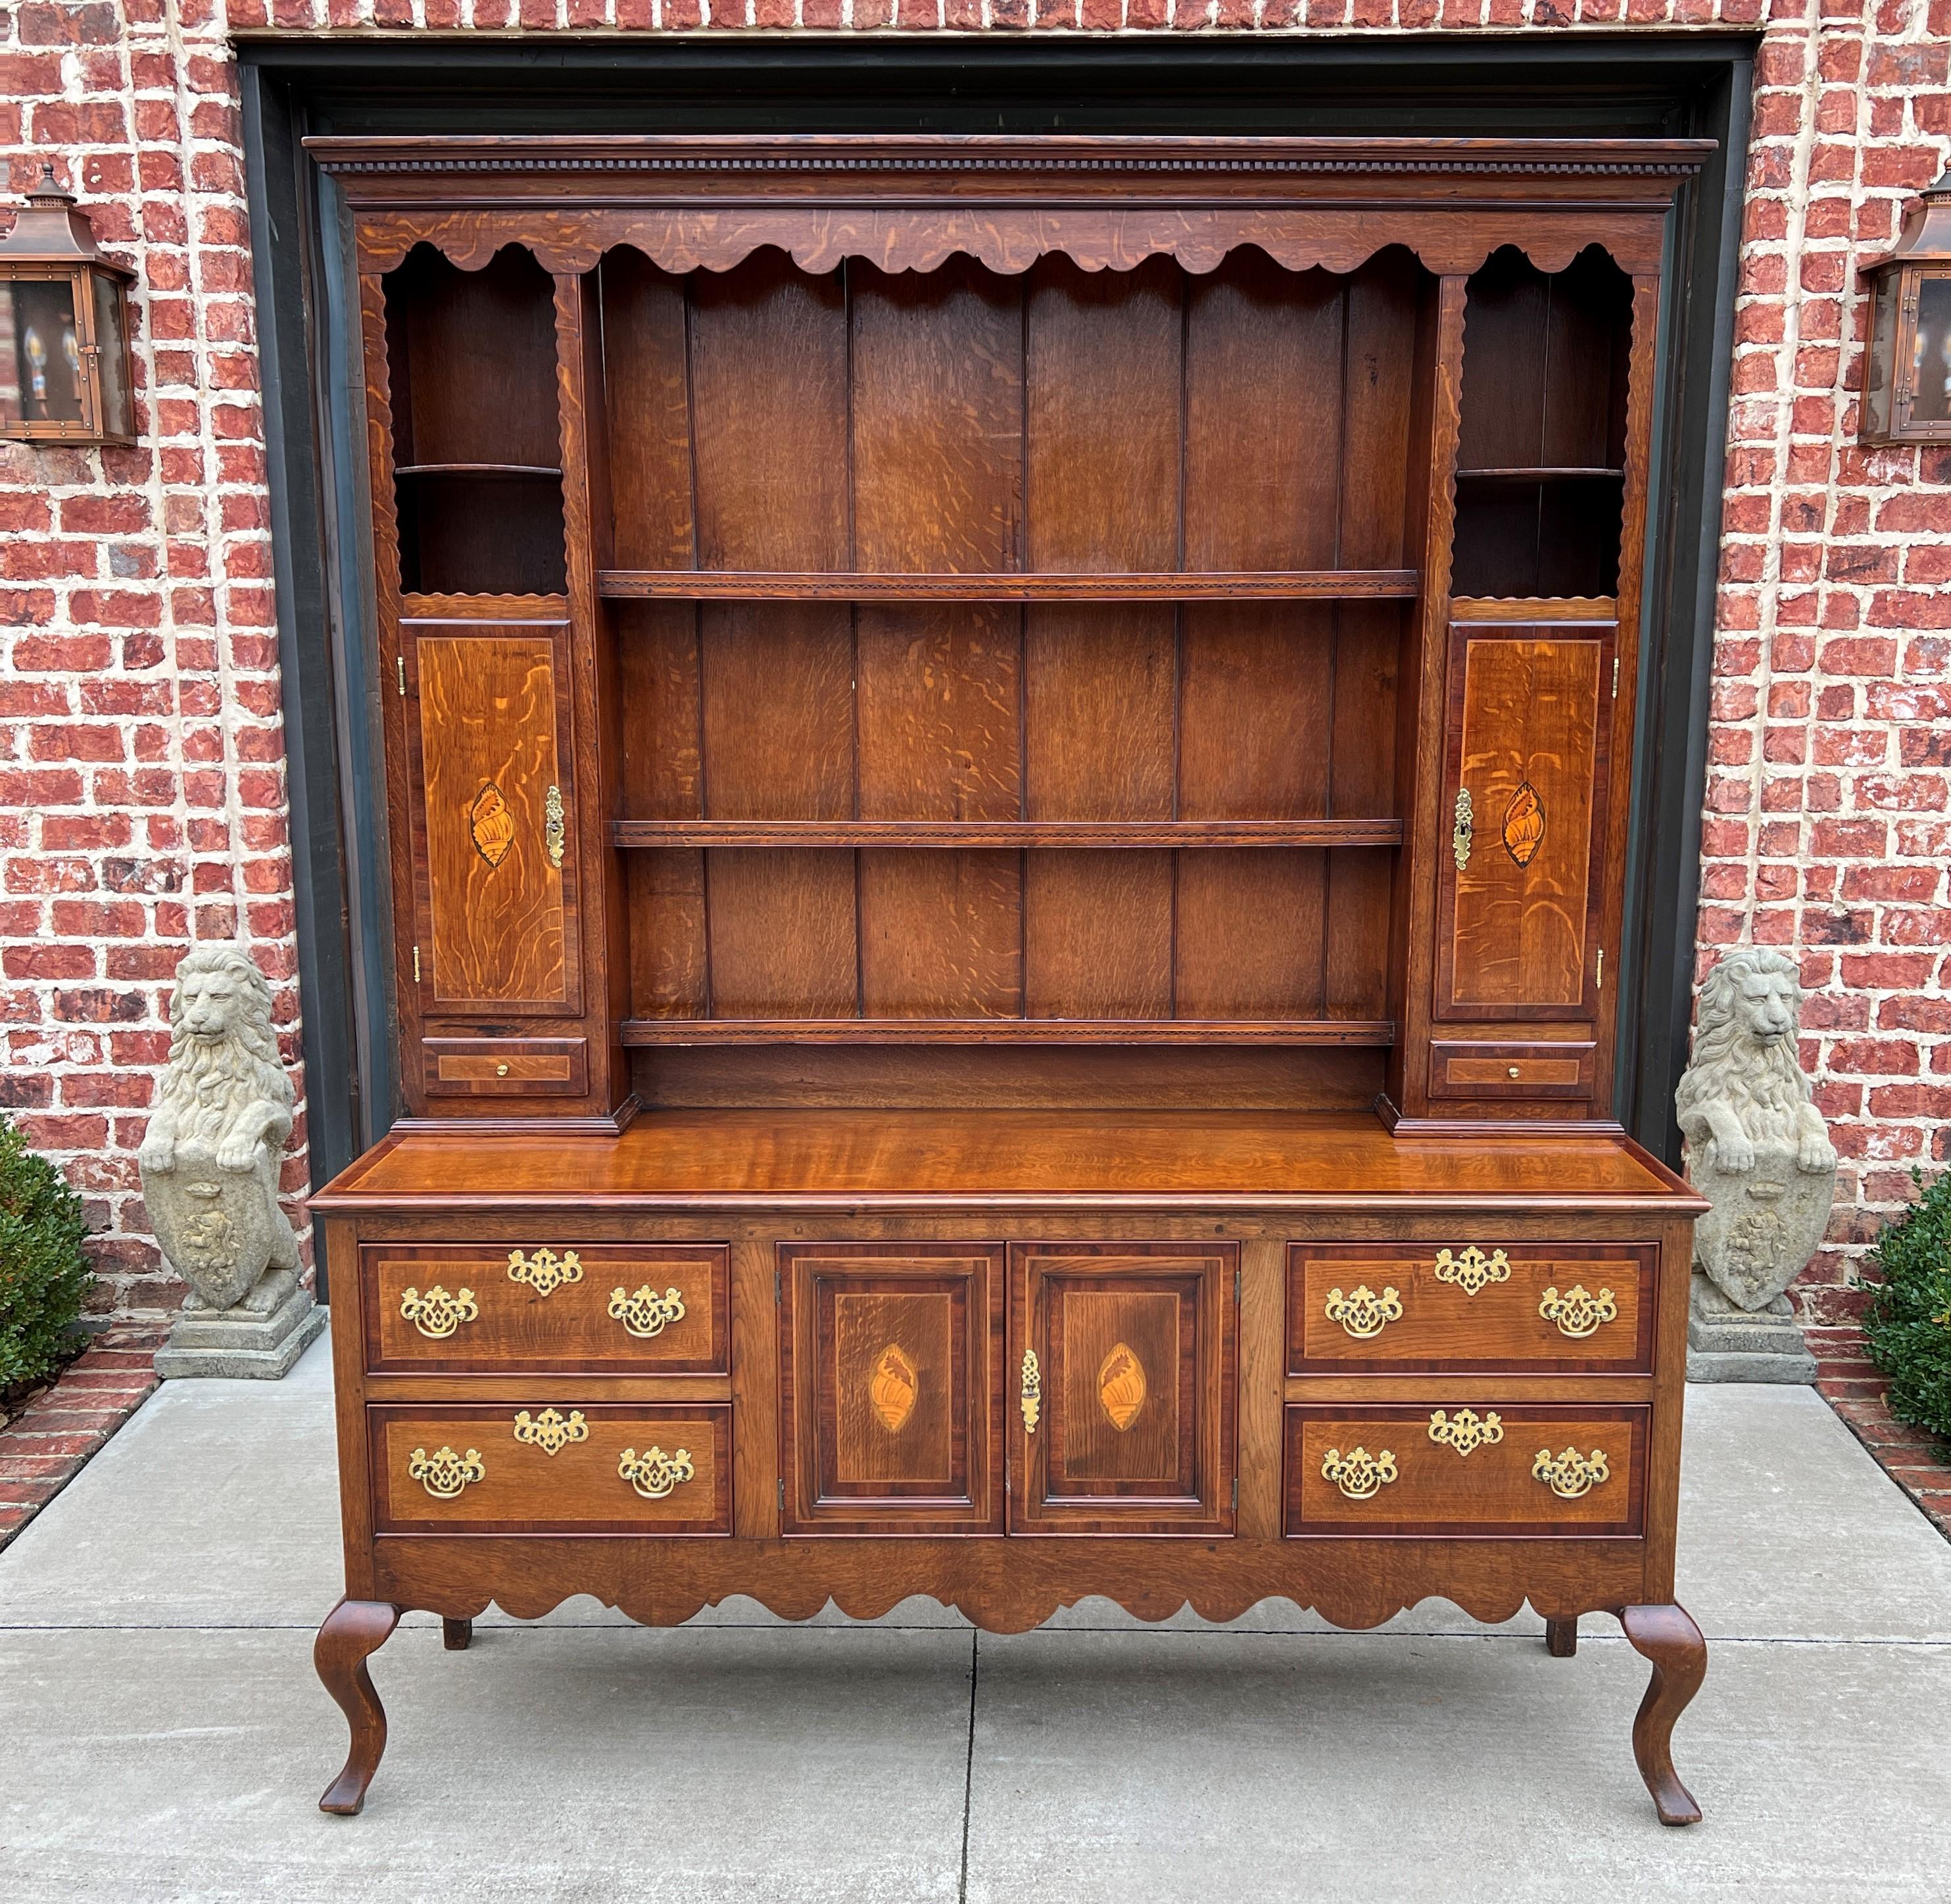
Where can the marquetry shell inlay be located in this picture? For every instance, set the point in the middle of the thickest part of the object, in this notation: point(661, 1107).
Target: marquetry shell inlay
point(490, 825)
point(1121, 1386)
point(892, 1388)
point(1524, 824)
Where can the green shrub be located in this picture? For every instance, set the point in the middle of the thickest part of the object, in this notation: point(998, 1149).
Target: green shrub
point(1909, 1320)
point(43, 1275)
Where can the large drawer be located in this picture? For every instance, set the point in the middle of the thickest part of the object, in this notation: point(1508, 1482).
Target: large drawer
point(1379, 1469)
point(1403, 1308)
point(634, 1468)
point(510, 1308)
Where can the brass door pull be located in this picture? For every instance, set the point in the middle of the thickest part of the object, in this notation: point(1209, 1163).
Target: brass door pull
point(445, 1474)
point(1032, 1396)
point(1470, 1269)
point(1362, 1313)
point(437, 1314)
point(1578, 1312)
point(646, 1313)
point(1359, 1474)
point(1569, 1474)
point(654, 1474)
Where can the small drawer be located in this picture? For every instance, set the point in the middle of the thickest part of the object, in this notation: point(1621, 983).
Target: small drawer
point(1458, 1068)
point(1523, 1470)
point(535, 1306)
point(552, 1468)
point(1401, 1308)
point(503, 1067)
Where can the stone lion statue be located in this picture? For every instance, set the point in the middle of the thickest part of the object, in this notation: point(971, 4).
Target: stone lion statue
point(210, 1158)
point(1757, 1147)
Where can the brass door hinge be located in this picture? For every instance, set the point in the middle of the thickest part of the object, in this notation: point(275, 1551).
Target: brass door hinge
point(782, 1494)
point(417, 965)
point(400, 662)
point(778, 1294)
point(1599, 975)
point(1615, 677)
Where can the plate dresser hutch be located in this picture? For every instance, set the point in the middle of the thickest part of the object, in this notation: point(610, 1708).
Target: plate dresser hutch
point(1008, 763)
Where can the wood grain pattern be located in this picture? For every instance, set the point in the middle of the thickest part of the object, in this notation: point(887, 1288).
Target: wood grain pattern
point(1442, 1326)
point(1170, 584)
point(891, 1388)
point(1437, 1490)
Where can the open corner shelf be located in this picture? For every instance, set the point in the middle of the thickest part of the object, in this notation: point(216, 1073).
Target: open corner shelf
point(1534, 608)
point(548, 471)
point(1307, 584)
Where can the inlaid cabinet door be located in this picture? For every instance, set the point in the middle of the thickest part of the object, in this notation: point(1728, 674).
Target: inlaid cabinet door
point(489, 779)
point(1121, 1370)
point(890, 1400)
point(1524, 796)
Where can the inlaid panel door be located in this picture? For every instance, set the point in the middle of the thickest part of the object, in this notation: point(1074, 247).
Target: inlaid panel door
point(890, 1402)
point(489, 778)
point(1524, 797)
point(1123, 1360)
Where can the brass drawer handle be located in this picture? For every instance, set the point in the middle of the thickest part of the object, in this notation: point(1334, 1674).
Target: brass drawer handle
point(550, 1431)
point(1462, 830)
point(1464, 1432)
point(1470, 1269)
point(1578, 1312)
point(445, 1474)
point(654, 1474)
point(1032, 1397)
point(545, 1272)
point(1570, 1474)
point(646, 1313)
point(1359, 1474)
point(437, 1314)
point(1364, 1313)
point(554, 830)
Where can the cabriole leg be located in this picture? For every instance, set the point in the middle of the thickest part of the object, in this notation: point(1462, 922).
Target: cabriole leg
point(1668, 1637)
point(1561, 1637)
point(455, 1634)
point(353, 1629)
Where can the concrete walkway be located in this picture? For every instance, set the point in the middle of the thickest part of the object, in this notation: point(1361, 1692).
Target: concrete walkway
point(162, 1737)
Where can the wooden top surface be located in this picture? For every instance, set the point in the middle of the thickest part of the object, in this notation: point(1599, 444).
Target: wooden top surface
point(1065, 1159)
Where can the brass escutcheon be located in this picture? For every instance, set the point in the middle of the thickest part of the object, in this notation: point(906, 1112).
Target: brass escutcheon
point(444, 1474)
point(653, 1474)
point(1461, 831)
point(550, 1431)
point(1578, 1312)
point(1569, 1474)
point(1032, 1397)
point(1470, 1269)
point(437, 1314)
point(646, 1312)
point(1363, 1313)
point(1464, 1432)
point(1359, 1474)
point(554, 830)
point(545, 1272)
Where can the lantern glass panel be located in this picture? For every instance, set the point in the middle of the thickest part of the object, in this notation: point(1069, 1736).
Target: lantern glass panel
point(1931, 363)
point(1880, 371)
point(45, 368)
point(112, 357)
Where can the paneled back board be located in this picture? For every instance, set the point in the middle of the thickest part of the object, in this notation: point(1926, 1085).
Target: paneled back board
point(1050, 713)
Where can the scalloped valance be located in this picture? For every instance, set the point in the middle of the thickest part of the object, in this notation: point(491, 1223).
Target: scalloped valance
point(907, 204)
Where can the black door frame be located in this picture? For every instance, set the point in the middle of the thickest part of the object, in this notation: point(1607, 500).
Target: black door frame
point(1649, 86)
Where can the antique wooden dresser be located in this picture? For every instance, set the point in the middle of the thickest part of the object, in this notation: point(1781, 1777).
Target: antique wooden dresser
point(1008, 761)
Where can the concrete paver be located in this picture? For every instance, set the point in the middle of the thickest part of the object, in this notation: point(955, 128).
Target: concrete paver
point(162, 1737)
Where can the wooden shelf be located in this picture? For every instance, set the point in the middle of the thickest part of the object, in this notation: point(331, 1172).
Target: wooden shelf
point(725, 585)
point(1507, 609)
point(1539, 475)
point(478, 469)
point(1006, 1031)
point(1008, 834)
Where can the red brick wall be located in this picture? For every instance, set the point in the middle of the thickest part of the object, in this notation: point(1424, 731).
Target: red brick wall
point(142, 792)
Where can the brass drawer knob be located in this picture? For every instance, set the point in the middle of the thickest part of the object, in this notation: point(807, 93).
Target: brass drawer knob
point(1578, 1312)
point(545, 1272)
point(1359, 1474)
point(445, 1474)
point(1032, 1395)
point(550, 1431)
point(437, 1314)
point(1569, 1474)
point(1464, 1432)
point(653, 1474)
point(646, 1313)
point(1363, 1313)
point(1470, 1269)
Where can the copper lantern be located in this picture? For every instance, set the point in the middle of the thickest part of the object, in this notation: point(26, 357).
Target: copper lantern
point(64, 328)
point(1907, 374)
